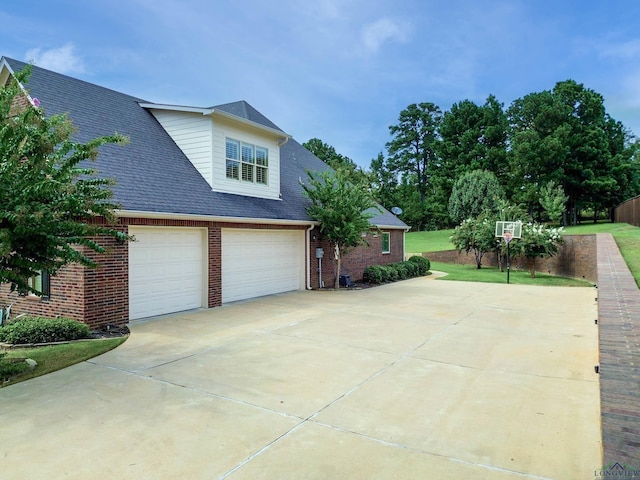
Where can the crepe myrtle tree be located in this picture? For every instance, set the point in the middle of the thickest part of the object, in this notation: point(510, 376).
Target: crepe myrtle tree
point(343, 209)
point(49, 200)
point(476, 235)
point(538, 241)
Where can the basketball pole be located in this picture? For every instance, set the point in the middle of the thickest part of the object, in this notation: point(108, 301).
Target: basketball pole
point(508, 262)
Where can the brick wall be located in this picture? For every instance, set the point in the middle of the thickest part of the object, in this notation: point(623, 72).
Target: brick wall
point(356, 260)
point(576, 258)
point(101, 296)
point(66, 300)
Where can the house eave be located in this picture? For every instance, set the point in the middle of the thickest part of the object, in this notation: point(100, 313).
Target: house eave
point(220, 113)
point(210, 218)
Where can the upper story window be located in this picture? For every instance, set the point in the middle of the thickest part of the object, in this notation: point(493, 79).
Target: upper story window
point(247, 162)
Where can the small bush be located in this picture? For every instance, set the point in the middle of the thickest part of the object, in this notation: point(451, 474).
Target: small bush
point(43, 330)
point(412, 269)
point(424, 265)
point(403, 271)
point(374, 274)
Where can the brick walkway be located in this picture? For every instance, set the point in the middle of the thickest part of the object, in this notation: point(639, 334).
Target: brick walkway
point(619, 329)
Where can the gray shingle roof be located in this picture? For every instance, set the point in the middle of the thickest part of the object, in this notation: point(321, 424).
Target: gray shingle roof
point(152, 174)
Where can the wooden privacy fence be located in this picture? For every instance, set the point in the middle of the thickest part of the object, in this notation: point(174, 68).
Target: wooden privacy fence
point(628, 212)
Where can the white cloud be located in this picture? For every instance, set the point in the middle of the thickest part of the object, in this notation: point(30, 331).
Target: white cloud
point(61, 60)
point(376, 33)
point(624, 50)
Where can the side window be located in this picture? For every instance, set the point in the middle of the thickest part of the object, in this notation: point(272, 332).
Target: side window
point(386, 242)
point(41, 283)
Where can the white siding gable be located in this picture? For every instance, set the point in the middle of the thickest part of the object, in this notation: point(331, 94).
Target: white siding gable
point(203, 138)
point(192, 133)
point(222, 130)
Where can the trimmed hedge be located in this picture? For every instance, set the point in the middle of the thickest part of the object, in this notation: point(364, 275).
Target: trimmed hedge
point(43, 330)
point(414, 267)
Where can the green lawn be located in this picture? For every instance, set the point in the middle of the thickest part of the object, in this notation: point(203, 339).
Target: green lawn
point(470, 273)
point(432, 241)
point(56, 357)
point(627, 237)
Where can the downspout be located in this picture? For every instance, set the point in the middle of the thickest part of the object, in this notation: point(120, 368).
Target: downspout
point(308, 256)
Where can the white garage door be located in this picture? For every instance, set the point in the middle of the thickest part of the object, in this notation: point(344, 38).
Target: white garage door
point(261, 262)
point(166, 270)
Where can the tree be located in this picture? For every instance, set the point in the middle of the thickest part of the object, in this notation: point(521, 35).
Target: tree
point(343, 209)
point(553, 200)
point(473, 193)
point(49, 203)
point(537, 241)
point(473, 138)
point(335, 160)
point(476, 235)
point(413, 150)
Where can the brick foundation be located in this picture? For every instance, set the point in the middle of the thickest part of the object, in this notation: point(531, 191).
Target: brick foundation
point(356, 260)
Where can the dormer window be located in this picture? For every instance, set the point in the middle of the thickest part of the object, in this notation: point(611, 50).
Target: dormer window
point(246, 162)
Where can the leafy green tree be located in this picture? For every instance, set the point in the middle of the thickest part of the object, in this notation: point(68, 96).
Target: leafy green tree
point(473, 138)
point(476, 235)
point(473, 193)
point(553, 199)
point(413, 149)
point(335, 160)
point(537, 241)
point(343, 209)
point(49, 202)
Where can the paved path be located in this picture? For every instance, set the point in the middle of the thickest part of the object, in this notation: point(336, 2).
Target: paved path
point(619, 322)
point(419, 379)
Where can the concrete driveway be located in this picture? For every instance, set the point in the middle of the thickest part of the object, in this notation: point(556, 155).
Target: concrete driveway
point(417, 379)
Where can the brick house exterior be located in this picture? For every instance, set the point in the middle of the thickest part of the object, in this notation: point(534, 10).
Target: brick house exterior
point(167, 188)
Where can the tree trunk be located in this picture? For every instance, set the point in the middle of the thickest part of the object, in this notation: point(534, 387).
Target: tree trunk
point(338, 257)
point(532, 266)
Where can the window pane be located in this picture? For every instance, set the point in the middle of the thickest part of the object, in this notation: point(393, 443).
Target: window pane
point(262, 156)
point(247, 153)
point(247, 172)
point(232, 169)
point(386, 248)
point(261, 175)
point(233, 149)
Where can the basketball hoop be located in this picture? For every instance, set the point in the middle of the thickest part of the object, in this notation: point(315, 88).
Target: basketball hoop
point(508, 230)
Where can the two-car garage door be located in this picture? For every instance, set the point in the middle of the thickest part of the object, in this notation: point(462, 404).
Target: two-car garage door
point(168, 270)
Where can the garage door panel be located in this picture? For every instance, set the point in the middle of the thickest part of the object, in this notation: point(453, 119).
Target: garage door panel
point(165, 271)
point(261, 262)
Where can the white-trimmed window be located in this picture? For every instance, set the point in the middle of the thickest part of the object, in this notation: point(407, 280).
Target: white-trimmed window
point(247, 162)
point(40, 282)
point(386, 242)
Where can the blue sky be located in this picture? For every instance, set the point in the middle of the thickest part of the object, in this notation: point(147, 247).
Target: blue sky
point(339, 70)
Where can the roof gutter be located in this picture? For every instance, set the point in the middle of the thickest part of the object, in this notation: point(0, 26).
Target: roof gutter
point(210, 218)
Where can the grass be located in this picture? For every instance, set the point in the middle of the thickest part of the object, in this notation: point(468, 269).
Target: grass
point(57, 357)
point(626, 236)
point(470, 273)
point(432, 241)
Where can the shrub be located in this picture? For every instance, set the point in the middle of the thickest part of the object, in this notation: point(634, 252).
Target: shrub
point(423, 264)
point(374, 274)
point(401, 269)
point(43, 330)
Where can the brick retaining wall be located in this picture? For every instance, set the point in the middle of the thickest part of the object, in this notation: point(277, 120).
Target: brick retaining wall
point(576, 258)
